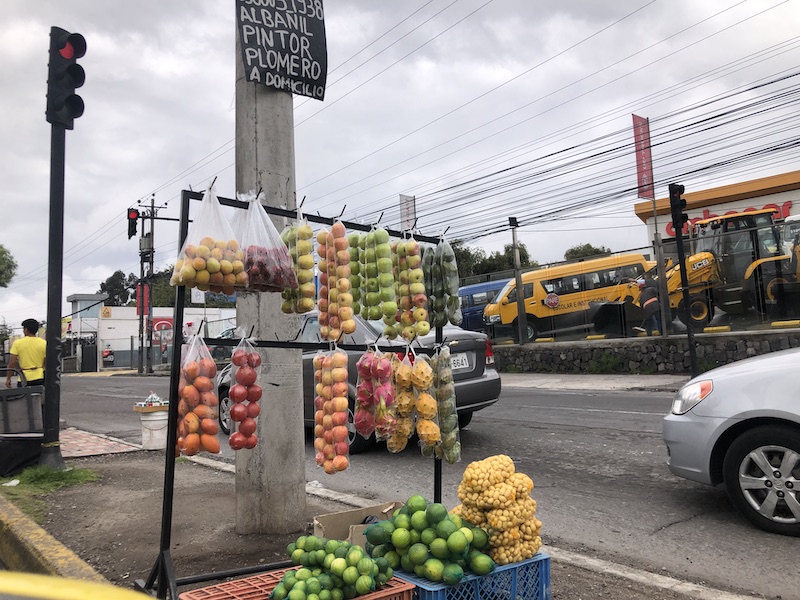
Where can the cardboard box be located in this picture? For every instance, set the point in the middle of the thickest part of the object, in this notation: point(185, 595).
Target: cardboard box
point(348, 525)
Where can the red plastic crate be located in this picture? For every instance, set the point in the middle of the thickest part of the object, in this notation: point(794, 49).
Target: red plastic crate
point(259, 587)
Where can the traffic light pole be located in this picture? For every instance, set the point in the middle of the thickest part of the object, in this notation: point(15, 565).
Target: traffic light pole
point(51, 448)
point(676, 205)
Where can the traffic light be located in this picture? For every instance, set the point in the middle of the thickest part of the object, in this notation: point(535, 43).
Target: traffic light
point(677, 206)
point(133, 219)
point(64, 74)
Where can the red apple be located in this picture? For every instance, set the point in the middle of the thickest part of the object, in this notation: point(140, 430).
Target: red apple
point(254, 393)
point(246, 375)
point(254, 359)
point(238, 412)
point(239, 357)
point(251, 442)
point(237, 440)
point(247, 427)
point(238, 393)
point(253, 409)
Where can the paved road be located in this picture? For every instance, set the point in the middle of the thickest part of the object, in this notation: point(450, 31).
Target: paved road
point(601, 483)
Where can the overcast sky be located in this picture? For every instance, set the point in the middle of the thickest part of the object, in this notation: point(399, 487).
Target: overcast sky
point(481, 109)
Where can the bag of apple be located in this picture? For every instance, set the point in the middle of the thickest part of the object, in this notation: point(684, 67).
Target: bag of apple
point(364, 416)
point(245, 395)
point(211, 258)
point(331, 405)
point(198, 403)
point(299, 240)
point(267, 262)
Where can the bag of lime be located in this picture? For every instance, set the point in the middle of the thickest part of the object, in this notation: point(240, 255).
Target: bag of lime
point(424, 539)
point(330, 570)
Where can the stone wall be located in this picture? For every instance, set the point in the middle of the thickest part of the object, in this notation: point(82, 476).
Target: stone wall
point(645, 355)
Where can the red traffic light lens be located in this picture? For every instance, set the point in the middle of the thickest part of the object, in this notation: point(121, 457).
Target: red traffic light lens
point(133, 214)
point(67, 51)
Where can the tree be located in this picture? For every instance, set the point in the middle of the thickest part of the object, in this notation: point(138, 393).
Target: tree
point(467, 258)
point(8, 266)
point(504, 261)
point(585, 251)
point(119, 287)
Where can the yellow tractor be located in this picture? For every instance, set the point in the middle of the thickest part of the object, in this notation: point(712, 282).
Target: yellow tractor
point(735, 262)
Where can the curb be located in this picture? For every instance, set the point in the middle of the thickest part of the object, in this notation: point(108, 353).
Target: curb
point(24, 546)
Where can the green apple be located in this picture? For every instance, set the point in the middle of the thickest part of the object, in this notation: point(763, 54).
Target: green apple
point(416, 288)
point(389, 308)
point(416, 275)
point(381, 236)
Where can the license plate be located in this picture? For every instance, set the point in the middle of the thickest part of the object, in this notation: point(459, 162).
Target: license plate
point(459, 361)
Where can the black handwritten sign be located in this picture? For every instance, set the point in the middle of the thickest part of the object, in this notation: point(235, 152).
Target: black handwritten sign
point(283, 44)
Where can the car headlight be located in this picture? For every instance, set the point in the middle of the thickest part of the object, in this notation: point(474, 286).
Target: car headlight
point(492, 319)
point(690, 396)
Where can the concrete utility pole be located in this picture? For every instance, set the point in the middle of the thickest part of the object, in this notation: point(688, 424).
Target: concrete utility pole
point(522, 316)
point(271, 478)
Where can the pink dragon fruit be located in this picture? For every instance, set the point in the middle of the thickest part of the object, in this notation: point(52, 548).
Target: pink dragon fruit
point(364, 422)
point(381, 368)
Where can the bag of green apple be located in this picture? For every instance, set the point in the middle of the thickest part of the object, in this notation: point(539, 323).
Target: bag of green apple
point(304, 266)
point(290, 295)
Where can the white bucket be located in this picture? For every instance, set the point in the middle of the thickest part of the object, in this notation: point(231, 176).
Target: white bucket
point(154, 429)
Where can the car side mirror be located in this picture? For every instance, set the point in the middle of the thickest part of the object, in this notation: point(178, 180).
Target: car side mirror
point(504, 300)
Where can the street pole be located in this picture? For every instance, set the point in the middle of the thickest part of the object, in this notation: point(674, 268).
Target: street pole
point(140, 310)
point(51, 448)
point(663, 292)
point(522, 318)
point(676, 205)
point(151, 251)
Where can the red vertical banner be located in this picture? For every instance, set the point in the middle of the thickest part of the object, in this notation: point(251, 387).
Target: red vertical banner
point(644, 161)
point(142, 300)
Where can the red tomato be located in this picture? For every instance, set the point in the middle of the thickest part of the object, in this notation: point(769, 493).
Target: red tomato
point(247, 427)
point(253, 410)
point(239, 358)
point(246, 375)
point(254, 393)
point(238, 412)
point(254, 359)
point(238, 393)
point(251, 442)
point(237, 441)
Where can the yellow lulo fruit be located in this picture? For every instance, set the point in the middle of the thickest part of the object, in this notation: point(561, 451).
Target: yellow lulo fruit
point(405, 426)
point(500, 495)
point(421, 375)
point(404, 400)
point(396, 442)
point(426, 406)
point(483, 474)
point(428, 432)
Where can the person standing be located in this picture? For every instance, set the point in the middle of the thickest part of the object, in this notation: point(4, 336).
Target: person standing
point(28, 355)
point(648, 300)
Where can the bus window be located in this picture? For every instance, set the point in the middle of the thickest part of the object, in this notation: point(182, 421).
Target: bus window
point(527, 290)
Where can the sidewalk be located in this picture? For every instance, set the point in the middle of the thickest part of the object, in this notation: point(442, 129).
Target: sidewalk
point(589, 382)
point(111, 527)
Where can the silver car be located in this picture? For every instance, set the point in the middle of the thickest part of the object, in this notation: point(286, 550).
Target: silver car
point(740, 425)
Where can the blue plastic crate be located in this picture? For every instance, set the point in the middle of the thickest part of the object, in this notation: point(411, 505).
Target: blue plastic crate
point(526, 580)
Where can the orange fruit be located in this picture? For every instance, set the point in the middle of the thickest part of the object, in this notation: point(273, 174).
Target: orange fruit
point(203, 383)
point(203, 411)
point(191, 395)
point(209, 399)
point(191, 444)
point(208, 367)
point(208, 426)
point(209, 443)
point(191, 422)
point(191, 370)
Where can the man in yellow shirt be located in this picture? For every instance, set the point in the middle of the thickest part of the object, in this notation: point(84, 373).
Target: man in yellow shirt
point(28, 355)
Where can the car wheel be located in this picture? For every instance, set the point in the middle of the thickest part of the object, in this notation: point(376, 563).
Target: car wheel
point(700, 311)
point(224, 411)
point(464, 419)
point(761, 471)
point(530, 331)
point(358, 443)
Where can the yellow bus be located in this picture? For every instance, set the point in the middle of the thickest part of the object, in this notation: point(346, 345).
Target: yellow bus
point(564, 297)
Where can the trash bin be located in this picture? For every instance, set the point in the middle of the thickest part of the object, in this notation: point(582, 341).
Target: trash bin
point(154, 421)
point(21, 428)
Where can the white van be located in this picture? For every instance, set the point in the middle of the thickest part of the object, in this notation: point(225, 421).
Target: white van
point(790, 229)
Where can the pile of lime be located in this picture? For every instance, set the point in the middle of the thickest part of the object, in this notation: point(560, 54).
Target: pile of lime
point(330, 570)
point(422, 538)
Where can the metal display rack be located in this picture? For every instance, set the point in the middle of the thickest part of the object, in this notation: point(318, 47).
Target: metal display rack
point(162, 578)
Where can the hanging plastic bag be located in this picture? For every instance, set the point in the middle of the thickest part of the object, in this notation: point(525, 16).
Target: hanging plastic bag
point(445, 260)
point(425, 405)
point(267, 262)
point(245, 394)
point(211, 258)
point(364, 416)
point(331, 436)
point(198, 404)
point(445, 391)
point(299, 239)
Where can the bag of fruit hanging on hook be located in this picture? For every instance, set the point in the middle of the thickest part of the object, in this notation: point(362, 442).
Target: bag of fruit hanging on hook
point(198, 403)
point(267, 262)
point(245, 395)
point(210, 258)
